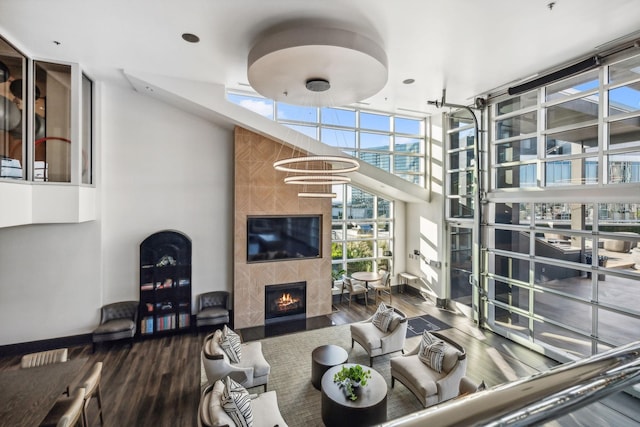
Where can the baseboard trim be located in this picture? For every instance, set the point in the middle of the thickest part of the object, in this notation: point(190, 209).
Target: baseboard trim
point(42, 345)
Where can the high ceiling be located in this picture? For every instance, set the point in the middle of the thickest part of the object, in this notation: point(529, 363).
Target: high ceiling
point(469, 47)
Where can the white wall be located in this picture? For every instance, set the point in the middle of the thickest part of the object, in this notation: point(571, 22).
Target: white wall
point(49, 281)
point(426, 225)
point(160, 168)
point(163, 169)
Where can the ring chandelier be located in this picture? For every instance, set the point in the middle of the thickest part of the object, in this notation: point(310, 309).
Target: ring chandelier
point(317, 179)
point(318, 176)
point(288, 165)
point(315, 195)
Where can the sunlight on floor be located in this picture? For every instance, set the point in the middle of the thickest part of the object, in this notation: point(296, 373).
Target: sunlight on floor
point(501, 364)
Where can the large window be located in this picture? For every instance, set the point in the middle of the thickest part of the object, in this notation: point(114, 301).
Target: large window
point(393, 143)
point(461, 162)
point(361, 231)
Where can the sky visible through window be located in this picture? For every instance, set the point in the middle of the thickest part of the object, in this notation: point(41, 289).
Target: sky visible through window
point(392, 143)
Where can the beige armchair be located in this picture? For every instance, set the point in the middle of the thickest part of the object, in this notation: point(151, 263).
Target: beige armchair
point(264, 408)
point(377, 342)
point(354, 288)
point(428, 385)
point(252, 370)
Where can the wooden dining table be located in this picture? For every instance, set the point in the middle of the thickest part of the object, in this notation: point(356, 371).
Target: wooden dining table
point(367, 276)
point(27, 394)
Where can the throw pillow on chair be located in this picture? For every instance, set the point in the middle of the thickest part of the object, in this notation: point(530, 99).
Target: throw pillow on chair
point(231, 344)
point(382, 317)
point(237, 403)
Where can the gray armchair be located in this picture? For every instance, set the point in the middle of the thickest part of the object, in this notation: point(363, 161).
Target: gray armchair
point(117, 321)
point(213, 308)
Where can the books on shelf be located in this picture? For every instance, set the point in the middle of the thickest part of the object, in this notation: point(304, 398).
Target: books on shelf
point(146, 325)
point(184, 320)
point(166, 322)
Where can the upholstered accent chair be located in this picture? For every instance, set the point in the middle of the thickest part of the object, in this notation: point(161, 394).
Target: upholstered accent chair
point(253, 369)
point(428, 385)
point(264, 408)
point(117, 321)
point(354, 288)
point(213, 308)
point(41, 358)
point(377, 342)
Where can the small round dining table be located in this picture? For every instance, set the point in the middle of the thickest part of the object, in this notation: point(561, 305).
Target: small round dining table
point(367, 276)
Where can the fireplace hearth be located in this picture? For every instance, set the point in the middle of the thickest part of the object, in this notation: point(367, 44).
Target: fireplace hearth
point(286, 301)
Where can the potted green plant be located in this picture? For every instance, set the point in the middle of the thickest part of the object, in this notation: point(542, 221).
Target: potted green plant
point(336, 275)
point(351, 378)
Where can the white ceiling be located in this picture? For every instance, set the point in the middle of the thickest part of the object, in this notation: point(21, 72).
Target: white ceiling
point(469, 47)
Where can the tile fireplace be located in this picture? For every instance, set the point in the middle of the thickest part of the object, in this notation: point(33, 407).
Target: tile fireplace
point(286, 301)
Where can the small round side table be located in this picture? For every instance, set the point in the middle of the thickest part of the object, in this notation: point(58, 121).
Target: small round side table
point(323, 358)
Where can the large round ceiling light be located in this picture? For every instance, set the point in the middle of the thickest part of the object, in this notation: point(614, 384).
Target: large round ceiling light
point(342, 66)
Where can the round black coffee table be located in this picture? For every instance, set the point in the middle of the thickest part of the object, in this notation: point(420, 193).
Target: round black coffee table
point(323, 358)
point(369, 409)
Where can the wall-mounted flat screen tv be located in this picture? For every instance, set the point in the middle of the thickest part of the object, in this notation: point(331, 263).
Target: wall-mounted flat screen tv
point(279, 238)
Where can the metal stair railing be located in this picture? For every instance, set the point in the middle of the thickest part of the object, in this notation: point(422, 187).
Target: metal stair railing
point(538, 398)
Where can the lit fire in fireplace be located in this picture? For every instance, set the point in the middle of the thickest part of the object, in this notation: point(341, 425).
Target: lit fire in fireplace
point(286, 302)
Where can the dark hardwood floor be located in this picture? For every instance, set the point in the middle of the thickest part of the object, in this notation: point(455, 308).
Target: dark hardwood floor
point(157, 381)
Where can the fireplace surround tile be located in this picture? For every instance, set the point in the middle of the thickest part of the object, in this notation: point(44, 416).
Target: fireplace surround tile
point(260, 190)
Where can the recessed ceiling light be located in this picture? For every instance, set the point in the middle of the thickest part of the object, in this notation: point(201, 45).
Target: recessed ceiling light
point(408, 81)
point(191, 38)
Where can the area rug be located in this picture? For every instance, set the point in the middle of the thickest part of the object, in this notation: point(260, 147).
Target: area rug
point(290, 359)
point(417, 325)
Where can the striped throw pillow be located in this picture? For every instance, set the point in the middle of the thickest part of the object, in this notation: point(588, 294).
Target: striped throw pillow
point(432, 355)
point(237, 403)
point(231, 344)
point(382, 317)
point(427, 339)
